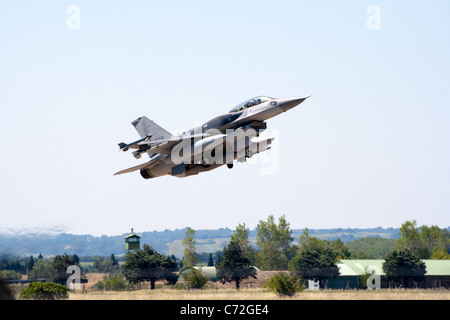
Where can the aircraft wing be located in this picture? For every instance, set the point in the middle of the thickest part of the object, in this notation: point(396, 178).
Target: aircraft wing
point(164, 146)
point(157, 146)
point(135, 168)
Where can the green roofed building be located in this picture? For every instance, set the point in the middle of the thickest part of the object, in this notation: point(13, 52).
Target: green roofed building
point(351, 272)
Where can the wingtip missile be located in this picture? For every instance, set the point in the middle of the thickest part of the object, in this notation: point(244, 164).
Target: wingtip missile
point(123, 146)
point(134, 145)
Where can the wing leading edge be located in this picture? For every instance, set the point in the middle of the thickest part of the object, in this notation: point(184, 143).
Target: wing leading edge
point(135, 168)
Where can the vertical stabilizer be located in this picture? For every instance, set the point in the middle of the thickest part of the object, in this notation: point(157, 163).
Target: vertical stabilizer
point(145, 127)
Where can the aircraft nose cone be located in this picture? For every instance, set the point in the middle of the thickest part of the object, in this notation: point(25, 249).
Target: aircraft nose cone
point(289, 103)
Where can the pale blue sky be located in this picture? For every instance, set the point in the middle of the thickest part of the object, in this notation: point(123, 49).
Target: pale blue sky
point(370, 148)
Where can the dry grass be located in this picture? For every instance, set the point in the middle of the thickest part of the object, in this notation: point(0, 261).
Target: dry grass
point(251, 290)
point(259, 294)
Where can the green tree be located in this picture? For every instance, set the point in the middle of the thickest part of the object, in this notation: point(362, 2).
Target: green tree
point(105, 265)
point(148, 265)
point(76, 259)
point(97, 265)
point(113, 282)
point(196, 279)
point(274, 243)
point(434, 242)
point(336, 248)
point(424, 242)
point(240, 237)
point(190, 256)
point(58, 269)
point(315, 264)
point(219, 258)
point(45, 291)
point(364, 277)
point(371, 247)
point(410, 239)
point(440, 254)
point(339, 249)
point(403, 266)
point(10, 275)
point(210, 261)
point(284, 284)
point(234, 265)
point(31, 262)
point(113, 260)
point(42, 269)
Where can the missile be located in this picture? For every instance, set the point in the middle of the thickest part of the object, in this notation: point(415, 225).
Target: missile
point(133, 145)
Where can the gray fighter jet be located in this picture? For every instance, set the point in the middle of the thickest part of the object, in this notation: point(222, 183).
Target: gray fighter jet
point(221, 140)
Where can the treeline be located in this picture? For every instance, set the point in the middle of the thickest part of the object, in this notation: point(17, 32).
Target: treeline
point(54, 268)
point(275, 246)
point(87, 245)
point(12, 268)
point(316, 259)
point(425, 242)
point(308, 259)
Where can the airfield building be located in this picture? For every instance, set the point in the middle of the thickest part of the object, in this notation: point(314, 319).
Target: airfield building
point(132, 241)
point(353, 271)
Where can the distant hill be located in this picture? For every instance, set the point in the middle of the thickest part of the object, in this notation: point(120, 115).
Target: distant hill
point(166, 242)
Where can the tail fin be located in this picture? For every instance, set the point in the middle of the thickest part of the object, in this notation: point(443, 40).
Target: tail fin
point(145, 127)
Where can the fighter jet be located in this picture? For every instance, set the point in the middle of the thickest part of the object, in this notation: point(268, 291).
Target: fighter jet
point(221, 140)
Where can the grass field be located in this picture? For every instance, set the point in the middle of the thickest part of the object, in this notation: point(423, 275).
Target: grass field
point(260, 294)
point(250, 290)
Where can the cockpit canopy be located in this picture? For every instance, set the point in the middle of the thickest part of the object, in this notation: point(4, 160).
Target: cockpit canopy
point(250, 103)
